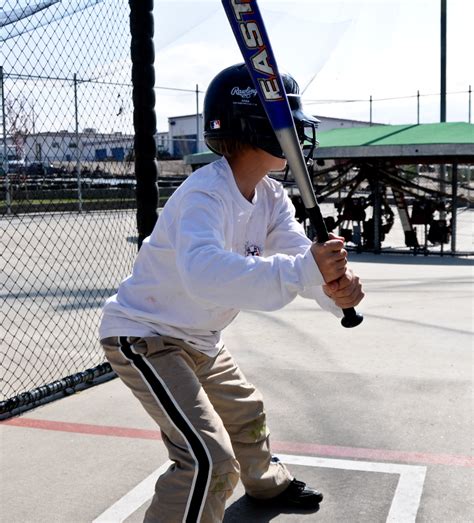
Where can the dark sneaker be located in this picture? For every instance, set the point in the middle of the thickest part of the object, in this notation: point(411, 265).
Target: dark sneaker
point(298, 494)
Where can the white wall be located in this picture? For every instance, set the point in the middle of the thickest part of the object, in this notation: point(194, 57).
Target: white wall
point(64, 146)
point(185, 126)
point(328, 123)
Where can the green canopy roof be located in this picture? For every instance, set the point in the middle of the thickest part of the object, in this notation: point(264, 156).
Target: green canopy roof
point(437, 141)
point(446, 142)
point(435, 133)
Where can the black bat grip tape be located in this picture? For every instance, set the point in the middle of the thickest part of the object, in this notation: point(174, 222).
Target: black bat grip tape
point(351, 317)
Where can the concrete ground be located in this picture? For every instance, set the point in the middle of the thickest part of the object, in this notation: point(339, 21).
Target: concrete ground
point(378, 417)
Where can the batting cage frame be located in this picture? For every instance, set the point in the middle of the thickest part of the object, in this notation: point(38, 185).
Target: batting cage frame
point(79, 184)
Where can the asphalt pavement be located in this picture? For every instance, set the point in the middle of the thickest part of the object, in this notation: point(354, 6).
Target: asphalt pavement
point(379, 417)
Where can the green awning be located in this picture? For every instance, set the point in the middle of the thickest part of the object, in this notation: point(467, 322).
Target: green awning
point(445, 142)
point(435, 143)
point(436, 133)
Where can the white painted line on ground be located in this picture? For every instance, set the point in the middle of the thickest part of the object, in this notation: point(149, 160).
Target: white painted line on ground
point(406, 499)
point(403, 509)
point(133, 500)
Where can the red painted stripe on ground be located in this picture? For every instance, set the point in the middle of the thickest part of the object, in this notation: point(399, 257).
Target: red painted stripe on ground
point(83, 428)
point(313, 449)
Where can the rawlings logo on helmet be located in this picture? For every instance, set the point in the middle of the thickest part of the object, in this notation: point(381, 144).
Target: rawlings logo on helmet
point(243, 93)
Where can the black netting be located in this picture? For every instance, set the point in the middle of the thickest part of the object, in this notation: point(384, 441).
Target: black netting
point(67, 196)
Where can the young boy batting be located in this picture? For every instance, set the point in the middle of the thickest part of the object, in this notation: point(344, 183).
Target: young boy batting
point(227, 240)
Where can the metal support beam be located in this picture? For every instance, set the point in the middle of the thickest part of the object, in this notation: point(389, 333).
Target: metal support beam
point(443, 62)
point(377, 216)
point(454, 206)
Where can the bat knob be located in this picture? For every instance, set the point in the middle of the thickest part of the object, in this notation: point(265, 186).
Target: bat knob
point(351, 318)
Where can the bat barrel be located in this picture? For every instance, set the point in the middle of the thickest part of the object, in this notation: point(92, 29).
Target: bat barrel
point(250, 33)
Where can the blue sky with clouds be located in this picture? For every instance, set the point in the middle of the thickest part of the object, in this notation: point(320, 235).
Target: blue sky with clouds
point(337, 50)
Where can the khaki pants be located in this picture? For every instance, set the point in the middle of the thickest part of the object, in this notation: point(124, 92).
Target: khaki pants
point(212, 422)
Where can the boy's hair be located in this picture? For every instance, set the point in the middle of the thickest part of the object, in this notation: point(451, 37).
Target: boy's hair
point(227, 147)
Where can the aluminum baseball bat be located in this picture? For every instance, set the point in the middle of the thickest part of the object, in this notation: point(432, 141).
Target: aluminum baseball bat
point(251, 36)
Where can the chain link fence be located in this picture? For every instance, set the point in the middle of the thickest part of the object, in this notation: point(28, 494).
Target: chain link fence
point(67, 196)
point(68, 189)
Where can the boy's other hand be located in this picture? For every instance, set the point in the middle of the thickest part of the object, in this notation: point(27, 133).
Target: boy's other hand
point(347, 291)
point(331, 257)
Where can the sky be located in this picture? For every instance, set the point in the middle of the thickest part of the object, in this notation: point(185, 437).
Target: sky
point(341, 52)
point(336, 49)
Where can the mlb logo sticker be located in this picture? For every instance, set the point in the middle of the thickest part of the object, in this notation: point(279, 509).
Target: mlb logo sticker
point(215, 124)
point(252, 250)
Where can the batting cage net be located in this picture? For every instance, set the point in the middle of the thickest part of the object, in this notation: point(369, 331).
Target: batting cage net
point(67, 196)
point(79, 173)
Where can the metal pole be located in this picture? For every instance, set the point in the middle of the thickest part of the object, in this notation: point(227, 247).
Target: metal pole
point(443, 62)
point(8, 197)
point(377, 216)
point(370, 103)
point(418, 107)
point(78, 159)
point(469, 106)
point(454, 206)
point(197, 118)
point(35, 141)
point(442, 171)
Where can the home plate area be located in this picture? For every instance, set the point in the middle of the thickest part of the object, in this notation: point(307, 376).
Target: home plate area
point(355, 491)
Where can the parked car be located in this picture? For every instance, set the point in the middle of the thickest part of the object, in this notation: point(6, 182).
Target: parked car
point(36, 169)
point(43, 169)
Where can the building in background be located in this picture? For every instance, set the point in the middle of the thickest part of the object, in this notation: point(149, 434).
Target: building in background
point(327, 123)
point(163, 146)
point(181, 138)
point(179, 141)
point(185, 135)
point(65, 146)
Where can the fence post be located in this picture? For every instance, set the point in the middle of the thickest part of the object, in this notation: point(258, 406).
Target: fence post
point(144, 118)
point(8, 198)
point(78, 158)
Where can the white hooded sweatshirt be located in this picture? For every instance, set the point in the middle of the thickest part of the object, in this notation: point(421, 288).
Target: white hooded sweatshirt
point(212, 254)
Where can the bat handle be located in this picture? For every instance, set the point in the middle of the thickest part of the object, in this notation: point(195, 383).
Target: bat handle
point(351, 318)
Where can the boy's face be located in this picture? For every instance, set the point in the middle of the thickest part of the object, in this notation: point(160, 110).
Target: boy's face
point(275, 163)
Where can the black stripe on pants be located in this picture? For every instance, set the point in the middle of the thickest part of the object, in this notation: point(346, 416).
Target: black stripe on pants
point(197, 448)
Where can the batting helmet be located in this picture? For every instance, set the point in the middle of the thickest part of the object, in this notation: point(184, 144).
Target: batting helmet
point(232, 109)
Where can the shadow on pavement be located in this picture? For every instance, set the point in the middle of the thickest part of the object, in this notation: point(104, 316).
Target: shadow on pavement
point(244, 509)
point(410, 259)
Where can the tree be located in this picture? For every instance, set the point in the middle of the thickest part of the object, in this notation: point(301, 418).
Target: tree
point(18, 117)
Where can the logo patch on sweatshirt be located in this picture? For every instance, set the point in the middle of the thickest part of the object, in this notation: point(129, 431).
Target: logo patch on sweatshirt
point(252, 250)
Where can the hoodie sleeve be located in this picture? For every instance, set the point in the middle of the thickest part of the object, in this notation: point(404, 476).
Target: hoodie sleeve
point(287, 235)
point(225, 278)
